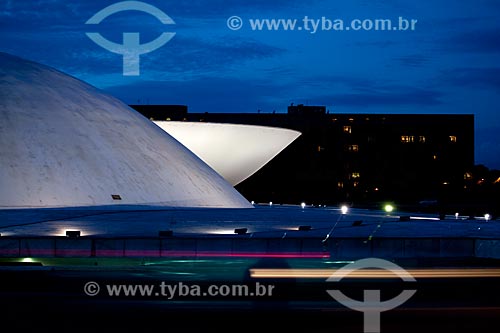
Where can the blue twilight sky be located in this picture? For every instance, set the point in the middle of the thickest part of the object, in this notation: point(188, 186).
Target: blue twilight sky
point(447, 64)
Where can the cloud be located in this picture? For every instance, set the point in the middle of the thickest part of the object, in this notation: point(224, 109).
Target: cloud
point(217, 8)
point(197, 54)
point(488, 146)
point(44, 15)
point(205, 94)
point(34, 12)
point(74, 53)
point(478, 41)
point(474, 77)
point(414, 60)
point(353, 91)
point(388, 96)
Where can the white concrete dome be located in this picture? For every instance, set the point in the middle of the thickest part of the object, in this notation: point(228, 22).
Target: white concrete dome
point(64, 143)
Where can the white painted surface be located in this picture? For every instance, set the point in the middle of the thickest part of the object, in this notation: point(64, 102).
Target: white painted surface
point(65, 143)
point(235, 151)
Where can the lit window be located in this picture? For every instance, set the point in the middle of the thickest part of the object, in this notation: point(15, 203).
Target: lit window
point(340, 185)
point(453, 138)
point(434, 157)
point(347, 129)
point(351, 119)
point(421, 139)
point(467, 175)
point(355, 184)
point(352, 148)
point(407, 138)
point(320, 148)
point(355, 175)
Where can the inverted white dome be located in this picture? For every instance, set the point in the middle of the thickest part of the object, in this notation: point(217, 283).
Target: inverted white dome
point(235, 151)
point(64, 143)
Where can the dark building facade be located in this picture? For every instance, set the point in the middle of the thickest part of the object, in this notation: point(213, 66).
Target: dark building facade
point(354, 157)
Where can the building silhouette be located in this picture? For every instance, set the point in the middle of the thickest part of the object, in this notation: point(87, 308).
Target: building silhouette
point(360, 158)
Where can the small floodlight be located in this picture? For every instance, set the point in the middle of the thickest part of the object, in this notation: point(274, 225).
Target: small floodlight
point(456, 216)
point(388, 208)
point(344, 209)
point(303, 205)
point(487, 217)
point(270, 203)
point(253, 202)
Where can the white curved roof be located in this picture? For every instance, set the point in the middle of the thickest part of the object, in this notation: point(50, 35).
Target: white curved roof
point(234, 151)
point(64, 143)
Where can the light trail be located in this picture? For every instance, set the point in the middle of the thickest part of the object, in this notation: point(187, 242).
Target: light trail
point(377, 273)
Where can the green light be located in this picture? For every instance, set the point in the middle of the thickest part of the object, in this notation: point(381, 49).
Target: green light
point(388, 208)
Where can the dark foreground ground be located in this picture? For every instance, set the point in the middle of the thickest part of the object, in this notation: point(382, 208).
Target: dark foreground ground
point(37, 298)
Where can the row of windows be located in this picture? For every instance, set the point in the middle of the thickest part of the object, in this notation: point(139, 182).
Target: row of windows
point(356, 175)
point(352, 148)
point(421, 138)
point(352, 119)
point(411, 139)
point(404, 139)
point(355, 148)
point(354, 184)
point(408, 138)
